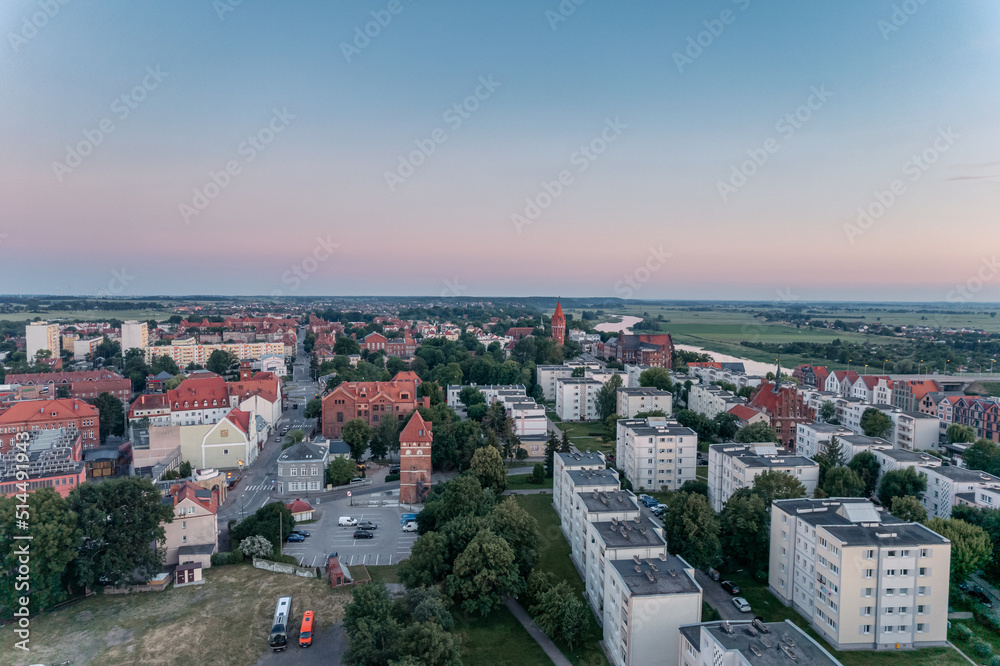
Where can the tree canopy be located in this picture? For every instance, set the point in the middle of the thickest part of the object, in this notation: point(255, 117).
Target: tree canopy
point(875, 423)
point(901, 482)
point(692, 530)
point(756, 432)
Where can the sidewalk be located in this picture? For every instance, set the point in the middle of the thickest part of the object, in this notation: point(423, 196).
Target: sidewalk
point(543, 641)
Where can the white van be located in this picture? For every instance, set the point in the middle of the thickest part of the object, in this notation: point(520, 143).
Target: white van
point(410, 526)
point(347, 521)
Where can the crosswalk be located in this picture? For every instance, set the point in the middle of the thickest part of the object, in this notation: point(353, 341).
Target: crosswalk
point(257, 486)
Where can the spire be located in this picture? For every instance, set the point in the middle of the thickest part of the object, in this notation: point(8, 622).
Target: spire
point(777, 373)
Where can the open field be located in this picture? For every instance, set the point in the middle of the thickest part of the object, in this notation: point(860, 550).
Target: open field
point(224, 621)
point(87, 315)
point(520, 482)
point(586, 436)
point(498, 639)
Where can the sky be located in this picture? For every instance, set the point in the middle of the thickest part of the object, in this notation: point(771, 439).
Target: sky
point(713, 150)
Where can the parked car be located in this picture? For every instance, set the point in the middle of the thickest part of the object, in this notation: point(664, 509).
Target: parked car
point(741, 604)
point(367, 525)
point(730, 587)
point(659, 510)
point(294, 537)
point(394, 469)
point(712, 573)
point(302, 533)
point(367, 534)
point(357, 481)
point(347, 521)
point(410, 526)
point(981, 597)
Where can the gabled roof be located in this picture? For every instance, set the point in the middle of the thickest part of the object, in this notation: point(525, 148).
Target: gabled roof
point(46, 410)
point(240, 419)
point(299, 506)
point(417, 430)
point(743, 412)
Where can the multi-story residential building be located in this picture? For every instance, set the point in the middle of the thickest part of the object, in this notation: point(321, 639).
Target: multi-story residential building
point(232, 442)
point(528, 416)
point(83, 384)
point(604, 375)
point(562, 490)
point(646, 602)
point(785, 407)
point(302, 467)
point(863, 579)
point(186, 351)
point(841, 381)
point(634, 372)
point(617, 540)
point(402, 347)
point(811, 439)
point(946, 482)
point(85, 347)
point(986, 497)
point(257, 392)
point(30, 415)
point(745, 415)
point(897, 459)
point(597, 506)
point(733, 466)
point(811, 376)
point(855, 444)
point(53, 461)
point(915, 431)
point(548, 375)
point(576, 398)
point(135, 335)
point(193, 534)
point(751, 642)
point(712, 400)
point(371, 402)
point(864, 387)
point(491, 392)
point(983, 414)
point(655, 350)
point(656, 454)
point(632, 401)
point(41, 336)
point(849, 411)
point(710, 374)
point(906, 395)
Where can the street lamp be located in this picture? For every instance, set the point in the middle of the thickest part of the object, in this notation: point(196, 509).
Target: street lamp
point(946, 366)
point(866, 369)
point(883, 365)
point(849, 364)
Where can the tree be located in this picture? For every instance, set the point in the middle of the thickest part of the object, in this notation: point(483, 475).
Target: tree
point(962, 434)
point(484, 574)
point(909, 509)
point(488, 467)
point(428, 604)
point(657, 378)
point(119, 519)
point(111, 416)
point(314, 409)
point(692, 530)
point(756, 432)
point(273, 521)
point(256, 546)
point(373, 633)
point(875, 423)
point(694, 486)
point(989, 520)
point(773, 485)
point(843, 482)
point(174, 382)
point(430, 645)
point(971, 547)
point(477, 411)
point(222, 362)
point(831, 456)
point(356, 434)
point(560, 613)
point(385, 438)
point(900, 482)
point(345, 346)
point(537, 474)
point(163, 363)
point(519, 529)
point(607, 397)
point(55, 536)
point(470, 395)
point(340, 471)
point(827, 411)
point(727, 425)
point(293, 438)
point(745, 530)
point(866, 466)
point(565, 446)
point(428, 563)
point(983, 455)
point(462, 496)
point(551, 446)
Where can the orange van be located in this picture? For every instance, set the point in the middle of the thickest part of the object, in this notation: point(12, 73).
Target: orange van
point(306, 632)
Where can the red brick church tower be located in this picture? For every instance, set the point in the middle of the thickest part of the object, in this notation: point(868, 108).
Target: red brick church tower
point(415, 460)
point(559, 324)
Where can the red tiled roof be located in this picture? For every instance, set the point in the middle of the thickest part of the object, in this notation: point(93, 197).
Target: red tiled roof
point(743, 412)
point(240, 419)
point(208, 392)
point(46, 410)
point(416, 426)
point(187, 490)
point(299, 506)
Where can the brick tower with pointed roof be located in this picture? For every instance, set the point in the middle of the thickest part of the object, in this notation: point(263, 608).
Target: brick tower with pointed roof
point(415, 460)
point(559, 324)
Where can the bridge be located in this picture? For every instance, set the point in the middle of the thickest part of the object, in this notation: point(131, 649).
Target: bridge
point(953, 382)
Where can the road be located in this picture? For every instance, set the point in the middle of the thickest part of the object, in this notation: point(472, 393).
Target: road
point(719, 599)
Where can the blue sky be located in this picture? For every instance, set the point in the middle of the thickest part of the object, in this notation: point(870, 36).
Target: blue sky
point(657, 213)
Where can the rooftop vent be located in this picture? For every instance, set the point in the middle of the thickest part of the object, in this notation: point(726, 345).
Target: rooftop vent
point(788, 651)
point(750, 630)
point(726, 627)
point(756, 650)
point(650, 576)
point(635, 558)
point(765, 641)
point(760, 626)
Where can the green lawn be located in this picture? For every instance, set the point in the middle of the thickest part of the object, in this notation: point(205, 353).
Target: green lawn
point(497, 639)
point(520, 482)
point(554, 557)
point(388, 573)
point(587, 436)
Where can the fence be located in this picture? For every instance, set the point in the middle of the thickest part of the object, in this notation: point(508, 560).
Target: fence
point(280, 567)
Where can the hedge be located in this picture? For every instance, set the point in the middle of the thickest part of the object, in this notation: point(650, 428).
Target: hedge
point(391, 477)
point(221, 559)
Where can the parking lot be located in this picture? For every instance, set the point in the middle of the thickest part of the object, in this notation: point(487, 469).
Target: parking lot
point(389, 545)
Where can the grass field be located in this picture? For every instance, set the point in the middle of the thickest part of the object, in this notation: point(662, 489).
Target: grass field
point(88, 315)
point(586, 436)
point(520, 482)
point(498, 639)
point(554, 557)
point(224, 621)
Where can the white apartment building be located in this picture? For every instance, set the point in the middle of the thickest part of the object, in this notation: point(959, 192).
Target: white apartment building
point(946, 482)
point(711, 400)
point(187, 351)
point(849, 411)
point(596, 506)
point(634, 372)
point(548, 375)
point(739, 379)
point(528, 416)
point(604, 375)
point(617, 540)
point(41, 335)
point(915, 431)
point(562, 489)
point(655, 453)
point(647, 601)
point(862, 578)
point(576, 398)
point(812, 439)
point(632, 401)
point(893, 459)
point(751, 642)
point(491, 392)
point(855, 444)
point(135, 335)
point(732, 466)
point(83, 348)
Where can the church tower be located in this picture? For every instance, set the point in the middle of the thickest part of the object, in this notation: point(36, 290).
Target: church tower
point(415, 460)
point(559, 324)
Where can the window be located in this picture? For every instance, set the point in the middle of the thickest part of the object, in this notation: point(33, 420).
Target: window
point(866, 611)
point(889, 610)
point(869, 573)
point(184, 524)
point(922, 591)
point(925, 571)
point(925, 552)
point(891, 553)
point(184, 539)
point(887, 629)
point(889, 591)
point(225, 452)
point(921, 610)
point(867, 592)
point(866, 629)
point(921, 628)
point(890, 572)
point(869, 554)
point(294, 471)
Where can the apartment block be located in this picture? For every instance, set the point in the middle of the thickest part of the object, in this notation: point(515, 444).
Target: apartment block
point(562, 490)
point(855, 444)
point(895, 459)
point(576, 398)
point(945, 483)
point(548, 375)
point(632, 401)
point(733, 466)
point(596, 506)
point(135, 335)
point(862, 578)
point(491, 392)
point(711, 400)
point(752, 642)
point(656, 453)
point(618, 540)
point(915, 431)
point(41, 336)
point(812, 439)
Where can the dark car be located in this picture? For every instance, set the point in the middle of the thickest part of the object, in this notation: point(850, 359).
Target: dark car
point(394, 470)
point(730, 587)
point(367, 525)
point(294, 537)
point(301, 533)
point(363, 534)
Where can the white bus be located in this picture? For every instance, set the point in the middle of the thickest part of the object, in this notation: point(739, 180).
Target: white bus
point(281, 625)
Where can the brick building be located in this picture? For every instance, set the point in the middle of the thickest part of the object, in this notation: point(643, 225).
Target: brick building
point(371, 402)
point(84, 384)
point(559, 325)
point(784, 407)
point(415, 460)
point(656, 351)
point(32, 415)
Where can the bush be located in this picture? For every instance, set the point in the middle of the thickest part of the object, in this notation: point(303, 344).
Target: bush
point(982, 649)
point(391, 477)
point(224, 558)
point(995, 661)
point(962, 632)
point(986, 617)
point(760, 576)
point(708, 613)
point(537, 473)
